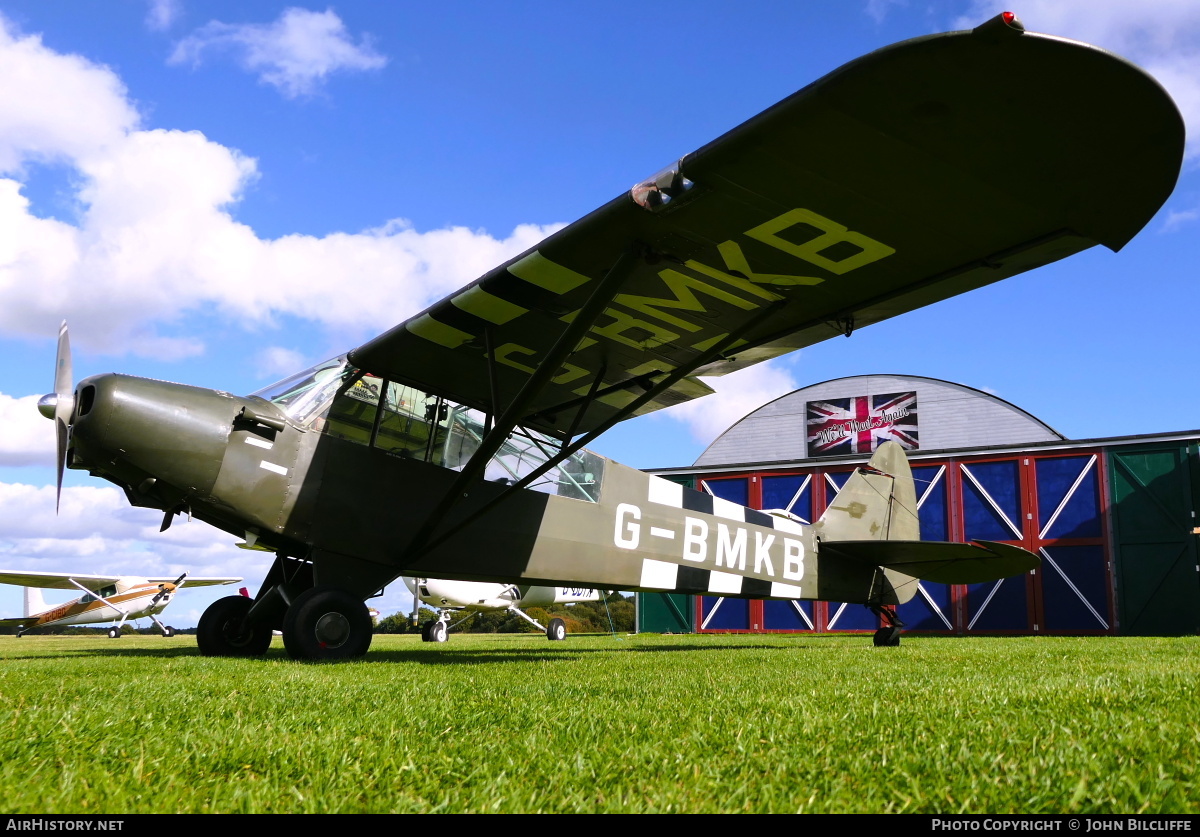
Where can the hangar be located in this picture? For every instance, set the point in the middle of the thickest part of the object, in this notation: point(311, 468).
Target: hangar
point(1113, 519)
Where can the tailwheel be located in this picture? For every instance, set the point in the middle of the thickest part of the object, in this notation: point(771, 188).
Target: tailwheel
point(438, 632)
point(325, 624)
point(887, 636)
point(224, 632)
point(556, 630)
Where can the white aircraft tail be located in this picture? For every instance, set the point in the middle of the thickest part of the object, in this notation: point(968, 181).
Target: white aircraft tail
point(34, 603)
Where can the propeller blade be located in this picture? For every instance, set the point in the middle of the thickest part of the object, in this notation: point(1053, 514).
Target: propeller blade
point(64, 403)
point(60, 431)
point(63, 382)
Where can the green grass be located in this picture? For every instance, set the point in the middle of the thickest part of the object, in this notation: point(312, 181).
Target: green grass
point(648, 723)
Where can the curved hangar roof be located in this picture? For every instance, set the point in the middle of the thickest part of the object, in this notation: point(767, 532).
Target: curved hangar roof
point(837, 417)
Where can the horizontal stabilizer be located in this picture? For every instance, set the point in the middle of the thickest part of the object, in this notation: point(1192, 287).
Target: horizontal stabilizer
point(940, 561)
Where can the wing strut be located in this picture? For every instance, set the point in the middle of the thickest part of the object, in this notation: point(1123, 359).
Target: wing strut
point(513, 414)
point(568, 448)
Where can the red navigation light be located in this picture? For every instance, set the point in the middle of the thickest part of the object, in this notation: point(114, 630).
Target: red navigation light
point(1009, 17)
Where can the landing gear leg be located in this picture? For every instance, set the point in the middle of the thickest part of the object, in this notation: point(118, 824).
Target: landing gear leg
point(889, 635)
point(167, 631)
point(555, 631)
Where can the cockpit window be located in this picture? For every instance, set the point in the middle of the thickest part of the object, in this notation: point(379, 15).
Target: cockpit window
point(307, 394)
point(411, 424)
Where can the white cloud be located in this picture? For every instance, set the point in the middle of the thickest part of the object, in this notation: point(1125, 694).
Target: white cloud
point(877, 10)
point(295, 53)
point(162, 13)
point(153, 238)
point(276, 360)
point(28, 438)
point(55, 106)
point(1162, 37)
point(1177, 219)
point(737, 394)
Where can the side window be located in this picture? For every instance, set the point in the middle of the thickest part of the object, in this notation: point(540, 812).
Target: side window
point(352, 414)
point(404, 423)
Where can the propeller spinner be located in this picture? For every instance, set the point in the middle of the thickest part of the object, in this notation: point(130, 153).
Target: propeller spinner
point(167, 589)
point(59, 404)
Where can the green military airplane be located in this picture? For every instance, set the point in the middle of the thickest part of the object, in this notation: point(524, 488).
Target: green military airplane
point(454, 445)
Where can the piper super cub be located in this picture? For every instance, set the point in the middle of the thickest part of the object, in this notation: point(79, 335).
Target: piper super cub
point(454, 445)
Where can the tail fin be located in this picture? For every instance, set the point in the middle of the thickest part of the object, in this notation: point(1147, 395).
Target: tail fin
point(877, 503)
point(873, 520)
point(34, 603)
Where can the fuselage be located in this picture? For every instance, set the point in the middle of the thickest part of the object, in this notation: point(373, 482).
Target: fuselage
point(485, 596)
point(337, 470)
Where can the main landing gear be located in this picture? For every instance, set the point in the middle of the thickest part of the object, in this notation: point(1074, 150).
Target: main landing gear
point(438, 630)
point(321, 624)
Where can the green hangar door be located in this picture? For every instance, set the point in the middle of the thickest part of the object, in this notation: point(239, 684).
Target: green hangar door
point(1153, 540)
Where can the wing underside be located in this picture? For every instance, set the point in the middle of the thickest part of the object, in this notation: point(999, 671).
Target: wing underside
point(913, 174)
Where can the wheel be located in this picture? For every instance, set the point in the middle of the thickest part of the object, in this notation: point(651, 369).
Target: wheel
point(221, 631)
point(325, 623)
point(170, 632)
point(556, 630)
point(114, 633)
point(427, 631)
point(887, 637)
point(438, 632)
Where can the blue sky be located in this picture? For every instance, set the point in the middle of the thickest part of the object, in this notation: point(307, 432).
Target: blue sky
point(223, 193)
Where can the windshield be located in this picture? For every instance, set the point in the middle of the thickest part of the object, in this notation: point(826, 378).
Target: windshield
point(305, 394)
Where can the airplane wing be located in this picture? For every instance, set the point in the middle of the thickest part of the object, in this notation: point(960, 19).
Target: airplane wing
point(63, 581)
point(195, 580)
point(60, 581)
point(910, 175)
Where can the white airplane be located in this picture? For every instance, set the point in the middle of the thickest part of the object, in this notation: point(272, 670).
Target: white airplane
point(106, 598)
point(452, 597)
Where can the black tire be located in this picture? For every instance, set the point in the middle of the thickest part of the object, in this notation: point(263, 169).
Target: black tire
point(169, 632)
point(556, 630)
point(221, 631)
point(325, 624)
point(887, 637)
point(114, 633)
point(427, 631)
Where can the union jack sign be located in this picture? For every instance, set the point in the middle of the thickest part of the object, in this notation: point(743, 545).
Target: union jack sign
point(859, 424)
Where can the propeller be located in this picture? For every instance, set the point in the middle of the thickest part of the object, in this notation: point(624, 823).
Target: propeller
point(59, 404)
point(167, 589)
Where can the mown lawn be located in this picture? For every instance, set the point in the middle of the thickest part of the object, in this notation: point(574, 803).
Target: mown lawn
point(631, 724)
